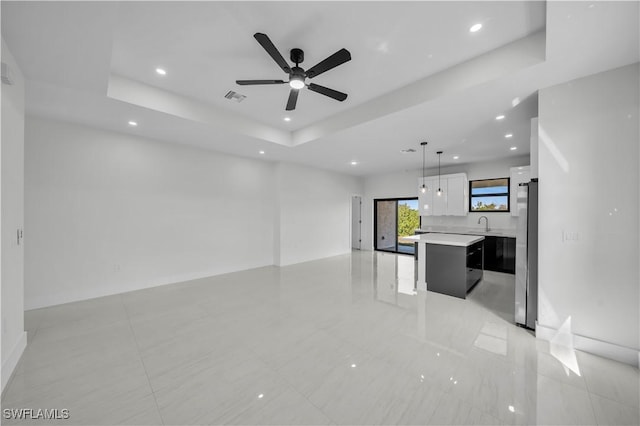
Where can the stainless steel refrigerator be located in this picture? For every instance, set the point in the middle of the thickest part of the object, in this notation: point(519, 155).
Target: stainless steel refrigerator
point(526, 312)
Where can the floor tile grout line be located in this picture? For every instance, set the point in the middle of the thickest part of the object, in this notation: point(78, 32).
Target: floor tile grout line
point(617, 401)
point(444, 394)
point(135, 339)
point(593, 408)
point(238, 415)
point(361, 345)
point(593, 392)
point(549, 376)
point(291, 385)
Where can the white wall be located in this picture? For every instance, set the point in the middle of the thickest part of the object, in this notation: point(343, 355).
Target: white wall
point(14, 338)
point(588, 168)
point(391, 185)
point(108, 213)
point(314, 213)
point(405, 184)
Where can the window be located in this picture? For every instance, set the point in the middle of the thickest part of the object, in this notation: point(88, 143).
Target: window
point(394, 220)
point(489, 195)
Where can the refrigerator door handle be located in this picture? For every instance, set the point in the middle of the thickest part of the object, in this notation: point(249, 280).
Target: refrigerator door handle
point(521, 257)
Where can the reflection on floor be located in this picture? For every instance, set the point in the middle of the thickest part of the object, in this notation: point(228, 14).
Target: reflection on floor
point(496, 293)
point(343, 340)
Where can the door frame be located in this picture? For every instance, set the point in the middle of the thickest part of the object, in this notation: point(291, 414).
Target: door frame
point(351, 221)
point(375, 223)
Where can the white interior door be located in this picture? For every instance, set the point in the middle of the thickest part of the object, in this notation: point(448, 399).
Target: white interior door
point(356, 222)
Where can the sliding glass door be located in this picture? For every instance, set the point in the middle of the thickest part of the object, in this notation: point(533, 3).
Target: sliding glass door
point(395, 219)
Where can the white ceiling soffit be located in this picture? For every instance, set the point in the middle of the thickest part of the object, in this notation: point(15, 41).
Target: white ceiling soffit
point(485, 68)
point(206, 46)
point(150, 97)
point(490, 66)
point(417, 72)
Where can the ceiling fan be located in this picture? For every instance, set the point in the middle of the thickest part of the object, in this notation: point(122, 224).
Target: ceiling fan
point(298, 75)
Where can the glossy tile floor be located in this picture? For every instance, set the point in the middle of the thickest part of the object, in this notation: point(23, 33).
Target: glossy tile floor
point(338, 341)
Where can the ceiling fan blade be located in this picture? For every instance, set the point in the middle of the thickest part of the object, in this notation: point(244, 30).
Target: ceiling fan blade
point(338, 58)
point(338, 96)
point(267, 45)
point(251, 82)
point(293, 98)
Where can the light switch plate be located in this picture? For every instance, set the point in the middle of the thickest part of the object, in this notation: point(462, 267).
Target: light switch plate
point(6, 74)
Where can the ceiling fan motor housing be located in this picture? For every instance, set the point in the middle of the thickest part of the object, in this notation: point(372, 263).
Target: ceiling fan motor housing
point(298, 72)
point(297, 56)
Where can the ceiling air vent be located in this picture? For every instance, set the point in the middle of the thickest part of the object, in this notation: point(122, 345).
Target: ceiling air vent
point(234, 96)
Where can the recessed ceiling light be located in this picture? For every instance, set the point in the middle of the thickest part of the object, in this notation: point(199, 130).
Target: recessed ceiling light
point(475, 28)
point(354, 163)
point(161, 71)
point(133, 123)
point(383, 47)
point(261, 152)
point(455, 157)
point(508, 135)
point(513, 148)
point(500, 117)
point(287, 119)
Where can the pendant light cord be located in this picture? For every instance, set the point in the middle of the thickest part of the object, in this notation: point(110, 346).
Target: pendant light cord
point(424, 148)
point(439, 187)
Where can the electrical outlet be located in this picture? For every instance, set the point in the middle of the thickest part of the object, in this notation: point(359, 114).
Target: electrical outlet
point(570, 236)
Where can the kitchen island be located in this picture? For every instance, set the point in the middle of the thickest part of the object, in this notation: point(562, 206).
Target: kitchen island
point(499, 245)
point(449, 263)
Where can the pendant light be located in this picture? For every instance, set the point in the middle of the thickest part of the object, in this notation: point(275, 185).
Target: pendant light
point(423, 187)
point(439, 188)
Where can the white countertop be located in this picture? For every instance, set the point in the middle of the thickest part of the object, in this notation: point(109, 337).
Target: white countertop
point(511, 233)
point(446, 239)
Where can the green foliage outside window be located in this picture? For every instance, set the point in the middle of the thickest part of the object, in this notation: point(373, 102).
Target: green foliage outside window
point(479, 206)
point(408, 220)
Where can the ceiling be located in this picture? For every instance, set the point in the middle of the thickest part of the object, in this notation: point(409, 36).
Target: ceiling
point(417, 73)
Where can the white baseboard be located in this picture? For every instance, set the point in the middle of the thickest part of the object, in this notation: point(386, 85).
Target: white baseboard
point(126, 287)
point(597, 347)
point(9, 366)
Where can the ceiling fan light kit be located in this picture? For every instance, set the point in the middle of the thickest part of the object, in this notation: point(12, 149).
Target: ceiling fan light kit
point(298, 75)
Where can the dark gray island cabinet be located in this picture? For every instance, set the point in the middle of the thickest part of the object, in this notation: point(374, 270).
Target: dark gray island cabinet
point(450, 264)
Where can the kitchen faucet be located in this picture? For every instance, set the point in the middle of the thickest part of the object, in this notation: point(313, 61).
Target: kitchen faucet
point(486, 225)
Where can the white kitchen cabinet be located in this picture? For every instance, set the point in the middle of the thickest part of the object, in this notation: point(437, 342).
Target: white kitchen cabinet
point(457, 199)
point(425, 200)
point(440, 201)
point(452, 202)
point(517, 176)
